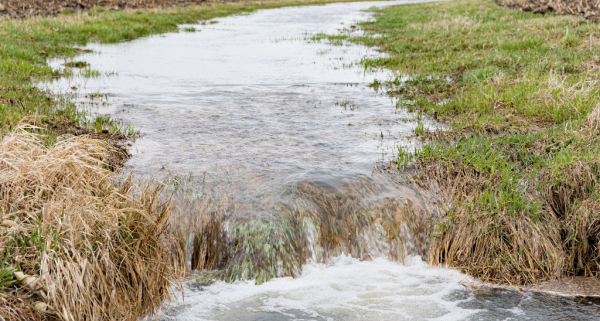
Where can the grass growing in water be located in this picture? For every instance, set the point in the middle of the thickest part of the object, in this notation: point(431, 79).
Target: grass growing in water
point(305, 222)
point(521, 161)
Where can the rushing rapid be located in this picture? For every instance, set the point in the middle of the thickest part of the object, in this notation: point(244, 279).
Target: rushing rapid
point(271, 137)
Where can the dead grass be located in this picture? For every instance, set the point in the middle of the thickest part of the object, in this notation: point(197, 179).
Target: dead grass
point(87, 247)
point(587, 8)
point(543, 225)
point(495, 244)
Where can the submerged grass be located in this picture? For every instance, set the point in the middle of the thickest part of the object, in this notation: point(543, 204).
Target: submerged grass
point(519, 165)
point(364, 218)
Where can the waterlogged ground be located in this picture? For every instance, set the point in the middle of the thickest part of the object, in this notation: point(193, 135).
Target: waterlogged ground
point(253, 104)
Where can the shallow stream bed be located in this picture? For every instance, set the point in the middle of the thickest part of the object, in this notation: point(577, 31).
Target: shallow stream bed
point(256, 107)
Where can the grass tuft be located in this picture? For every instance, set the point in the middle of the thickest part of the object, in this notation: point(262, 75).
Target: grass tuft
point(84, 246)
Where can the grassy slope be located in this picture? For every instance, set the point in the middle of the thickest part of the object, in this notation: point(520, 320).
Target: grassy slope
point(521, 159)
point(25, 45)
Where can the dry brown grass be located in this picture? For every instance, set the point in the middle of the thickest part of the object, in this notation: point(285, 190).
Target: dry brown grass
point(501, 247)
point(570, 192)
point(12, 309)
point(561, 239)
point(586, 8)
point(95, 249)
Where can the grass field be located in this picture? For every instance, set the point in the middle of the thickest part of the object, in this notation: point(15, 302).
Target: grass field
point(520, 164)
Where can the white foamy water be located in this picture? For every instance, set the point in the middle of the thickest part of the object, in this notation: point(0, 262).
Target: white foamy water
point(345, 289)
point(349, 289)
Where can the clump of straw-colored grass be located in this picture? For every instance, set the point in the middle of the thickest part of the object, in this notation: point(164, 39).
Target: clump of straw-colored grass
point(492, 243)
point(85, 247)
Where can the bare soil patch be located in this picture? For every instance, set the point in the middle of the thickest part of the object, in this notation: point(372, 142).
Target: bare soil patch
point(29, 8)
point(589, 9)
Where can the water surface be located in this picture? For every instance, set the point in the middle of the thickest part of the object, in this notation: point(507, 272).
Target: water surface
point(251, 105)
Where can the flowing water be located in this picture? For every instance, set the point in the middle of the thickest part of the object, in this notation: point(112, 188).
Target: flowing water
point(271, 139)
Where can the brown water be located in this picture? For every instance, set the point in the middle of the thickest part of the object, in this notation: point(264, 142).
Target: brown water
point(272, 140)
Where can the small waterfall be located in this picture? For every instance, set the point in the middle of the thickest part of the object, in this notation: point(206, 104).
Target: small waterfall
point(311, 221)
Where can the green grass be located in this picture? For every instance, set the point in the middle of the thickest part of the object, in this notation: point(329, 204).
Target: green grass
point(521, 99)
point(25, 46)
point(7, 281)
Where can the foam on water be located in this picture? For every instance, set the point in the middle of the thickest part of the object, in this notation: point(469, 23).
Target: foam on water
point(344, 289)
point(350, 289)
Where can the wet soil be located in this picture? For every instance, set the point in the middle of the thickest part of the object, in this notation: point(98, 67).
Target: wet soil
point(30, 8)
point(573, 286)
point(117, 141)
point(588, 9)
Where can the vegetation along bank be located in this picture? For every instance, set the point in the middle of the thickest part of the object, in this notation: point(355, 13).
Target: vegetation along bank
point(76, 242)
point(520, 163)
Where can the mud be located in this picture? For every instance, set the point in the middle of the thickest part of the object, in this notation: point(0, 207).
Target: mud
point(30, 8)
point(118, 142)
point(588, 9)
point(573, 286)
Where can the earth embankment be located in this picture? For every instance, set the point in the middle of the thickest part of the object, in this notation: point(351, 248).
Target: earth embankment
point(29, 8)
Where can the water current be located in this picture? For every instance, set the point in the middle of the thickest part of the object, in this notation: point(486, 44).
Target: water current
point(275, 136)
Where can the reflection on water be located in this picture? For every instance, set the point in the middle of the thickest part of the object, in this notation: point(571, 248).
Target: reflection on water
point(272, 140)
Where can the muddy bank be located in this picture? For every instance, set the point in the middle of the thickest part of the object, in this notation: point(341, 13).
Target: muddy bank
point(118, 142)
point(589, 9)
point(30, 8)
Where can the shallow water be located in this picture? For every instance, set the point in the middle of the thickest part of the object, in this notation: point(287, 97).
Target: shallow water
point(349, 289)
point(252, 106)
point(250, 95)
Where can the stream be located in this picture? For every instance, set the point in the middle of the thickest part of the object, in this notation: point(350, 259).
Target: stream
point(273, 141)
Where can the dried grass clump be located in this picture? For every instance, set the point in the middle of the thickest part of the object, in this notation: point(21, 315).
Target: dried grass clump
point(554, 233)
point(503, 245)
point(12, 309)
point(571, 192)
point(93, 249)
point(500, 248)
point(592, 122)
